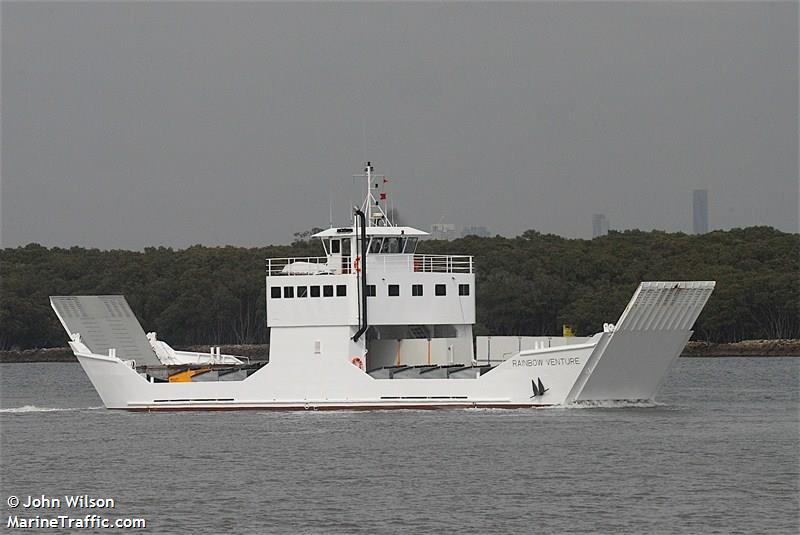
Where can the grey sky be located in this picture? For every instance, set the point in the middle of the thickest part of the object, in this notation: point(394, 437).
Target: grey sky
point(135, 124)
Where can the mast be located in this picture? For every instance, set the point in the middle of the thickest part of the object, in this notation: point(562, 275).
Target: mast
point(373, 211)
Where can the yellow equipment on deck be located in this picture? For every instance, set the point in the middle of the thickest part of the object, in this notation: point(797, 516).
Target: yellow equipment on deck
point(186, 375)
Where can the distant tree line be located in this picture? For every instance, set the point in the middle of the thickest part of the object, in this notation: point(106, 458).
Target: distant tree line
point(531, 284)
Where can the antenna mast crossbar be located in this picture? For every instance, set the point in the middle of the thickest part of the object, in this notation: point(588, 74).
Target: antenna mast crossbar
point(372, 209)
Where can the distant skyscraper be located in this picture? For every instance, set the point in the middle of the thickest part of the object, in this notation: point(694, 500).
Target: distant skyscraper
point(700, 211)
point(443, 231)
point(481, 232)
point(599, 225)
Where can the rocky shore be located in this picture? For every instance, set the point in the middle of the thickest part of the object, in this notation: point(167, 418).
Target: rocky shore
point(745, 348)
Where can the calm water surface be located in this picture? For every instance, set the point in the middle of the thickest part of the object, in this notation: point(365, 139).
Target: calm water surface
point(717, 454)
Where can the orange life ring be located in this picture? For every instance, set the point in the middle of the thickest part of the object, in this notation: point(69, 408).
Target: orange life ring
point(356, 264)
point(357, 362)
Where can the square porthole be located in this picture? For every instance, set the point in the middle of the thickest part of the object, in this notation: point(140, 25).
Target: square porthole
point(302, 291)
point(327, 290)
point(463, 289)
point(288, 291)
point(275, 292)
point(416, 290)
point(370, 290)
point(440, 289)
point(394, 290)
point(315, 291)
point(341, 290)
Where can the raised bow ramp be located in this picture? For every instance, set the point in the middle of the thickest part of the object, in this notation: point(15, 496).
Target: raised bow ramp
point(631, 360)
point(105, 322)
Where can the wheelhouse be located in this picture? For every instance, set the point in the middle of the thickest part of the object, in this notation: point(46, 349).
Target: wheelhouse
point(381, 240)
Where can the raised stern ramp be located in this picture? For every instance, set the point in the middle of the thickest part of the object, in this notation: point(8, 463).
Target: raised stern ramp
point(632, 358)
point(104, 322)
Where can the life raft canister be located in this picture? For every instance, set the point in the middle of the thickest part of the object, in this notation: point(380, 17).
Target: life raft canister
point(357, 264)
point(357, 362)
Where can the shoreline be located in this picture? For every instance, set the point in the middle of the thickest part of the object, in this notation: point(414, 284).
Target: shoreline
point(745, 348)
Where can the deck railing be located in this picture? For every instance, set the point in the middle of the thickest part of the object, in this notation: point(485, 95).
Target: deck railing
point(378, 263)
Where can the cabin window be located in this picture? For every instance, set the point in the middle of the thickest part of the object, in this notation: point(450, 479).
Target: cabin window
point(394, 290)
point(391, 245)
point(411, 246)
point(327, 290)
point(375, 245)
point(463, 289)
point(275, 292)
point(440, 289)
point(370, 290)
point(336, 247)
point(315, 291)
point(346, 246)
point(302, 291)
point(288, 291)
point(341, 290)
point(416, 290)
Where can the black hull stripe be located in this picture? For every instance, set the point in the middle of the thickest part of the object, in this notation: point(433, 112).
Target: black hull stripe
point(426, 406)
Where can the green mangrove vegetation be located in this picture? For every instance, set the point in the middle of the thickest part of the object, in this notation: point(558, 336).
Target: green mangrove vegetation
point(530, 284)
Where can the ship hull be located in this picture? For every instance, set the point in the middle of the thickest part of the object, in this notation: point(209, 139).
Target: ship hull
point(338, 385)
point(627, 362)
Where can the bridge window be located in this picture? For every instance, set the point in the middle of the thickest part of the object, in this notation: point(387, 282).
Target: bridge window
point(275, 292)
point(315, 291)
point(375, 245)
point(302, 291)
point(392, 245)
point(416, 290)
point(411, 246)
point(463, 289)
point(441, 289)
point(288, 291)
point(370, 290)
point(327, 290)
point(341, 290)
point(336, 247)
point(394, 290)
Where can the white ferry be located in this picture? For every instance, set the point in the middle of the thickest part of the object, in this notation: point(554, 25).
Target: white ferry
point(373, 325)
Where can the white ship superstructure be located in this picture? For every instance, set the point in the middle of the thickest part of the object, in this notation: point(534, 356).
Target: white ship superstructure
point(374, 325)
